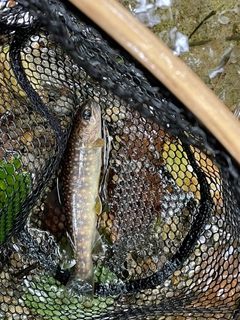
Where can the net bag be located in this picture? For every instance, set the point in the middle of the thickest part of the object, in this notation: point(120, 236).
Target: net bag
point(169, 223)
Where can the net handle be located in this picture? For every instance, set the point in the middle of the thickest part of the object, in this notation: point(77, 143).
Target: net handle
point(151, 52)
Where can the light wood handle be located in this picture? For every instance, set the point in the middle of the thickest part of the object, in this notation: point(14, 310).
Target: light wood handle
point(151, 52)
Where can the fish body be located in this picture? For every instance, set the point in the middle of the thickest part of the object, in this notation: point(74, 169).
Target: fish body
point(81, 175)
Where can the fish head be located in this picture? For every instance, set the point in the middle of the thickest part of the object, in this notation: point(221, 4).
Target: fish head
point(88, 118)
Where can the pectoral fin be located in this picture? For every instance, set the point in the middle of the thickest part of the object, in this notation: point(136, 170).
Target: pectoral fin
point(98, 205)
point(99, 143)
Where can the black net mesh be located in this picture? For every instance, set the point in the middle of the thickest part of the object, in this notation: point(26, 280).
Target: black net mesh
point(169, 223)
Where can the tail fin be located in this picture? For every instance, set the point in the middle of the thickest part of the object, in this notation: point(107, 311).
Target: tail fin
point(83, 288)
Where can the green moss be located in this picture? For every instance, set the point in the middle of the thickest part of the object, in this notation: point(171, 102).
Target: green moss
point(60, 304)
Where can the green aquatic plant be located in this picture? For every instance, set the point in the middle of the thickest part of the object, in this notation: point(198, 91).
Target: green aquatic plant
point(50, 299)
point(179, 166)
point(15, 185)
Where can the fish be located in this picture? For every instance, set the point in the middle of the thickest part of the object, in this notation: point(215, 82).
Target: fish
point(81, 179)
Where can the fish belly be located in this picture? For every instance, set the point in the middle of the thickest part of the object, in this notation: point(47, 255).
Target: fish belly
point(82, 186)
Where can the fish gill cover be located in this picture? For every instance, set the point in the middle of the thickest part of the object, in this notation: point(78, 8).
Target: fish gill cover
point(169, 219)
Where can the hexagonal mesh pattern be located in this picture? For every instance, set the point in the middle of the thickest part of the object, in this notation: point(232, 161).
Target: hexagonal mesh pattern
point(169, 223)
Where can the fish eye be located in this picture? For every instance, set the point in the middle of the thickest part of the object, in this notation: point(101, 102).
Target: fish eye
point(86, 114)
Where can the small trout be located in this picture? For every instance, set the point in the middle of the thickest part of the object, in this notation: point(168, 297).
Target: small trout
point(81, 175)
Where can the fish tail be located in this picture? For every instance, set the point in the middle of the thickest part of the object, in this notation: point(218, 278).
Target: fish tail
point(82, 287)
